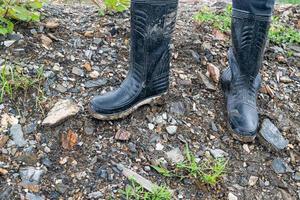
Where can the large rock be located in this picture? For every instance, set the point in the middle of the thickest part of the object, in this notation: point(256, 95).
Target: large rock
point(17, 135)
point(218, 153)
point(61, 111)
point(271, 136)
point(175, 156)
point(31, 175)
point(281, 167)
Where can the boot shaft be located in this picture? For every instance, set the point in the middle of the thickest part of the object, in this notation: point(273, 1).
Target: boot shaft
point(249, 36)
point(152, 24)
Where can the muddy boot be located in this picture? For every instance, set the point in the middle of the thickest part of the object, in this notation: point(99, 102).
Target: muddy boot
point(241, 81)
point(152, 24)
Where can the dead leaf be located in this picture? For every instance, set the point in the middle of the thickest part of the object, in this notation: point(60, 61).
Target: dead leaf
point(30, 186)
point(267, 90)
point(298, 24)
point(89, 34)
point(219, 35)
point(122, 135)
point(126, 42)
point(87, 66)
point(69, 140)
point(3, 171)
point(52, 24)
point(281, 59)
point(206, 82)
point(213, 72)
point(46, 41)
point(3, 140)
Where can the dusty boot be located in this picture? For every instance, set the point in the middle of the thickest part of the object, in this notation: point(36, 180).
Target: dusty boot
point(241, 81)
point(152, 24)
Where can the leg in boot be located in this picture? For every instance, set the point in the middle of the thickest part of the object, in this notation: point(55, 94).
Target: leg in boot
point(241, 80)
point(152, 24)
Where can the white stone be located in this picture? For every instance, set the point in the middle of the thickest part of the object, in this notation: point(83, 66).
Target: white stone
point(94, 74)
point(62, 110)
point(218, 153)
point(171, 129)
point(175, 156)
point(246, 148)
point(159, 147)
point(231, 196)
point(253, 180)
point(151, 126)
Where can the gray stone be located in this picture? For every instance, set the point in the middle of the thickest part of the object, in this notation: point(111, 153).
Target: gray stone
point(132, 147)
point(9, 43)
point(218, 153)
point(171, 129)
point(147, 168)
point(17, 135)
point(95, 83)
point(89, 128)
point(6, 192)
point(61, 111)
point(95, 195)
point(213, 126)
point(88, 54)
point(270, 135)
point(177, 108)
point(102, 173)
point(297, 176)
point(61, 188)
point(196, 56)
point(29, 128)
point(77, 71)
point(15, 36)
point(207, 83)
point(174, 156)
point(31, 175)
point(145, 183)
point(280, 167)
point(33, 31)
point(30, 196)
point(97, 41)
point(61, 88)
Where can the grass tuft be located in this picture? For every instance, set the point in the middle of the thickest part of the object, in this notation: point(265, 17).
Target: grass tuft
point(209, 171)
point(279, 33)
point(134, 191)
point(14, 80)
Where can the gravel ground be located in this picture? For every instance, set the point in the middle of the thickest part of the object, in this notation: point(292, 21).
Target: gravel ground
point(84, 55)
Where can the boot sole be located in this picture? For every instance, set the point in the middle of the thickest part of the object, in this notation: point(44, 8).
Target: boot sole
point(244, 139)
point(123, 114)
point(241, 138)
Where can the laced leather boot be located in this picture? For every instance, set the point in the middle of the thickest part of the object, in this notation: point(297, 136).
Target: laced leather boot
point(152, 24)
point(241, 80)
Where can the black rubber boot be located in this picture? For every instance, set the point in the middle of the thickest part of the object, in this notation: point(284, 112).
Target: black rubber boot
point(152, 24)
point(241, 80)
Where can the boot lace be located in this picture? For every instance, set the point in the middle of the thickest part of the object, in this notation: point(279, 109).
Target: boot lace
point(243, 89)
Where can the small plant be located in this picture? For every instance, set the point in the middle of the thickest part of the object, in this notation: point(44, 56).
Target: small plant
point(111, 5)
point(279, 33)
point(209, 171)
point(13, 80)
point(16, 10)
point(134, 191)
point(290, 1)
point(220, 21)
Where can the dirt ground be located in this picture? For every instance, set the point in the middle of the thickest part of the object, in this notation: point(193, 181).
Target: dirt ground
point(83, 40)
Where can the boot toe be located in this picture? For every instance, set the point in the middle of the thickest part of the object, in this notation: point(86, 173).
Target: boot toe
point(244, 120)
point(101, 104)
